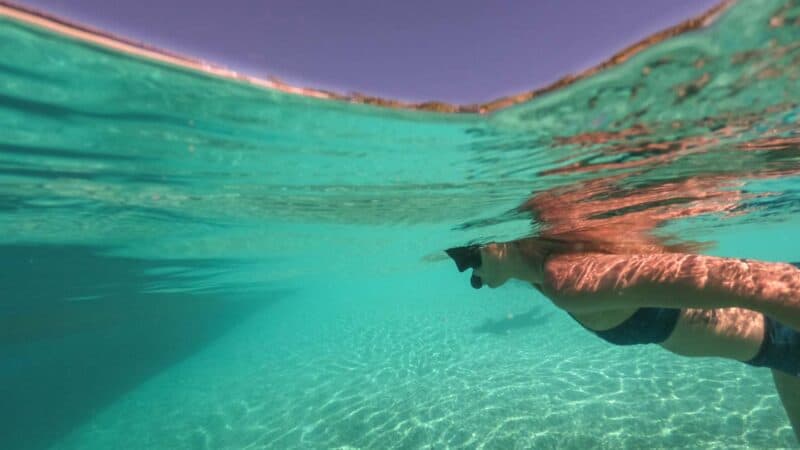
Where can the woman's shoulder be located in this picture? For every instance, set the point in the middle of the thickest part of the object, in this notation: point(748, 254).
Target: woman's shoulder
point(593, 282)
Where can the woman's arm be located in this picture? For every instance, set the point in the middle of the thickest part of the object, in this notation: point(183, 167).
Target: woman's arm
point(597, 282)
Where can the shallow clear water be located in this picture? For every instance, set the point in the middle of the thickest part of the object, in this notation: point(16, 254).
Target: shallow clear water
point(188, 262)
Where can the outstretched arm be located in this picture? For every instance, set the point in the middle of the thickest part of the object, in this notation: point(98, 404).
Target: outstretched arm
point(597, 282)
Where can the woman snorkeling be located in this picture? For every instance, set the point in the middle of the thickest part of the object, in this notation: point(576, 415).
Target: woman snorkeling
point(691, 305)
point(628, 288)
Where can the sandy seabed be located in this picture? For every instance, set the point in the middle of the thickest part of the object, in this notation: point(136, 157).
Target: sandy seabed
point(328, 372)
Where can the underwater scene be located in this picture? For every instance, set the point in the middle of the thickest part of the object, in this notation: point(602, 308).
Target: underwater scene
point(193, 262)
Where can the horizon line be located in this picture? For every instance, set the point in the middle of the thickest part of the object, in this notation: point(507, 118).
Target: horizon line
point(108, 40)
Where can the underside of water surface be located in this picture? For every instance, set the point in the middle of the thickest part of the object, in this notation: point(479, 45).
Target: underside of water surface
point(188, 261)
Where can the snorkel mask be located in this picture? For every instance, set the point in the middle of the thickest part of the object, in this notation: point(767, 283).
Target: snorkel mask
point(468, 257)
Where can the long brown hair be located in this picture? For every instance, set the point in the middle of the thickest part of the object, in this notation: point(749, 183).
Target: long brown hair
point(585, 241)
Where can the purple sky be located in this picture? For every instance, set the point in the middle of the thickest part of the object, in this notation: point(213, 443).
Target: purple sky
point(460, 51)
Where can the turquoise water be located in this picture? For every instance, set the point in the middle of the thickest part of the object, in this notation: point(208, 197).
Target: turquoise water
point(188, 262)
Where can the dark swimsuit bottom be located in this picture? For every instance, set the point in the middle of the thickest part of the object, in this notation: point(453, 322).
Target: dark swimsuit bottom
point(780, 349)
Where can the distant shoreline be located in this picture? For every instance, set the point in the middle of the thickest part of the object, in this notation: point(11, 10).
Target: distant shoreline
point(110, 41)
